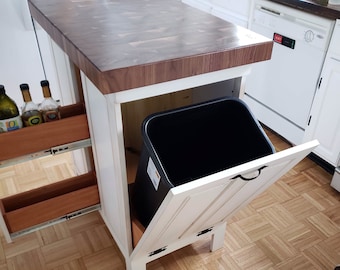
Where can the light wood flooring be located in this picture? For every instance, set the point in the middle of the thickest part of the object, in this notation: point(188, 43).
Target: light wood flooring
point(295, 224)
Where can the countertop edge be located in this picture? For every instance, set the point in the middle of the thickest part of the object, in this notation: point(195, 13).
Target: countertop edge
point(327, 11)
point(125, 78)
point(152, 73)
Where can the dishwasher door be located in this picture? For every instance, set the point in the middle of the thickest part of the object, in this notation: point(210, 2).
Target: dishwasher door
point(280, 91)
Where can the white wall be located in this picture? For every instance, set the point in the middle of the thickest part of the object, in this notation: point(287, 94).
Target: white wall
point(20, 60)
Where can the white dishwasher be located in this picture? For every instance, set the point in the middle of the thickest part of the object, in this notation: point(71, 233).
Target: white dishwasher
point(280, 91)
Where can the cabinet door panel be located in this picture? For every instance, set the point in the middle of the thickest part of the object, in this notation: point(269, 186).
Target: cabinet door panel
point(201, 204)
point(324, 124)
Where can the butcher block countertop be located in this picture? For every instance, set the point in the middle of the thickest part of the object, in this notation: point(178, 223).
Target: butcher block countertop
point(126, 44)
point(313, 6)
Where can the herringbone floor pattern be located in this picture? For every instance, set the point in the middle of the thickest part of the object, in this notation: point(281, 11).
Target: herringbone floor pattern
point(295, 224)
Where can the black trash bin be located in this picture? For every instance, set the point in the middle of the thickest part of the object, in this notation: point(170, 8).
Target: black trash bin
point(188, 143)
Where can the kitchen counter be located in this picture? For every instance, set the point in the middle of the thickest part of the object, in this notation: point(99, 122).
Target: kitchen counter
point(313, 6)
point(122, 45)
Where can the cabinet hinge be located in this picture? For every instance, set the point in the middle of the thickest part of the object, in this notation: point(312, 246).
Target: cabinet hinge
point(310, 118)
point(157, 251)
point(320, 81)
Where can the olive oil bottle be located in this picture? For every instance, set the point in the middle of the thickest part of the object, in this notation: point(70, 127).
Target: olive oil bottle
point(9, 114)
point(49, 108)
point(30, 115)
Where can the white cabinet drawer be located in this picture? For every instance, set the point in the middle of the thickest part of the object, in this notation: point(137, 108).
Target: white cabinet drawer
point(200, 205)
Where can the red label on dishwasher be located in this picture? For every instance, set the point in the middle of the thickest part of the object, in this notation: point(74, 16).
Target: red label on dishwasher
point(277, 38)
point(285, 41)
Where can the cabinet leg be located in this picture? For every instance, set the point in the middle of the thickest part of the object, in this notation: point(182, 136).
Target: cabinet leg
point(5, 231)
point(136, 265)
point(217, 240)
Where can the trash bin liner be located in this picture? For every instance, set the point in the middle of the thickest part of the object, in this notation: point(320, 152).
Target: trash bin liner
point(188, 143)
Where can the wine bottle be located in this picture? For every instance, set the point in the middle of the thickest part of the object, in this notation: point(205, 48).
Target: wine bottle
point(49, 108)
point(9, 114)
point(30, 115)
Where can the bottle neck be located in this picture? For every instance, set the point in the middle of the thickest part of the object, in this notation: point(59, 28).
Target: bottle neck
point(46, 92)
point(26, 95)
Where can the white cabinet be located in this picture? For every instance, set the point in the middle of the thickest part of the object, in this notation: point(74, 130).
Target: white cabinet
point(204, 5)
point(237, 12)
point(324, 120)
point(190, 211)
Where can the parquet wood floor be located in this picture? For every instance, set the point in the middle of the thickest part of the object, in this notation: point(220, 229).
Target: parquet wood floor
point(295, 224)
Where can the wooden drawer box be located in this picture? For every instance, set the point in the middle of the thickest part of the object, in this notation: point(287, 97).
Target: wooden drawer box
point(72, 127)
point(49, 202)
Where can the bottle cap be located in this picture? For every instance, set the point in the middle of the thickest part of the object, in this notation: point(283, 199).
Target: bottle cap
point(44, 83)
point(24, 86)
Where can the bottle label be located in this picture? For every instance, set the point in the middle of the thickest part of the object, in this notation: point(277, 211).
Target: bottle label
point(33, 120)
point(51, 115)
point(10, 124)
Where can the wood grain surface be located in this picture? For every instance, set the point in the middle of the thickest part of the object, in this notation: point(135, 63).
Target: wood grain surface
point(122, 45)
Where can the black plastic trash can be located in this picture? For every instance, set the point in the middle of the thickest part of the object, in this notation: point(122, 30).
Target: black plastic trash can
point(185, 144)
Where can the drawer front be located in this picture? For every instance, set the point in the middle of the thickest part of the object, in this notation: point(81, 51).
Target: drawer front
point(206, 202)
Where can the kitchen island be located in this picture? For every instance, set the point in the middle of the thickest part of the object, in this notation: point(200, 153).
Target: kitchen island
point(132, 50)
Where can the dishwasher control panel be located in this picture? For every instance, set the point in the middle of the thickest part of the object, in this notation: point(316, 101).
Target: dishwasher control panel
point(285, 41)
point(292, 24)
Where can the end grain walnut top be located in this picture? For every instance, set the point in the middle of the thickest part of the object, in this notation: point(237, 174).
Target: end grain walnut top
point(125, 44)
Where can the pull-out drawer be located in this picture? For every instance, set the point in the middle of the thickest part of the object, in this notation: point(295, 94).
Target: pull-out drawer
point(37, 206)
point(71, 128)
point(32, 209)
point(194, 208)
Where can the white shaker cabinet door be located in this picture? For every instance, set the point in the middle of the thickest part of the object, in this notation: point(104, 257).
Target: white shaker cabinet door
point(196, 207)
point(324, 120)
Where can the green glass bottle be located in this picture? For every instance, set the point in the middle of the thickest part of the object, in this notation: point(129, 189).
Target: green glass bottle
point(30, 115)
point(9, 114)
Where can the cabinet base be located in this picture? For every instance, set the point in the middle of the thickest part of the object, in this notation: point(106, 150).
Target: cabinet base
point(336, 179)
